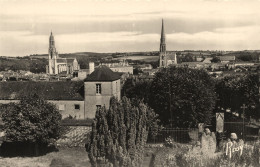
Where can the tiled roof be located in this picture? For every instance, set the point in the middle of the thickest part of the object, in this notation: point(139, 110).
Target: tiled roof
point(61, 60)
point(70, 61)
point(227, 58)
point(103, 73)
point(48, 90)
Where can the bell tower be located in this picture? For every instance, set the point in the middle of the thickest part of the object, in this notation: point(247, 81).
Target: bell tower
point(52, 55)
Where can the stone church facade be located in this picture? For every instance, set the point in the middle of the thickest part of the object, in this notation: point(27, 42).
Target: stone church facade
point(59, 65)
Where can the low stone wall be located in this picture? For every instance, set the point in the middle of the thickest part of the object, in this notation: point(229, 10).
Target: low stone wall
point(75, 136)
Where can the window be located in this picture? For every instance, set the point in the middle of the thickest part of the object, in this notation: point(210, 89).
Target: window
point(77, 106)
point(98, 107)
point(61, 107)
point(98, 88)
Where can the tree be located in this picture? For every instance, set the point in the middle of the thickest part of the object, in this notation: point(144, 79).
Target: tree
point(32, 121)
point(119, 134)
point(137, 89)
point(182, 97)
point(234, 91)
point(38, 65)
point(215, 59)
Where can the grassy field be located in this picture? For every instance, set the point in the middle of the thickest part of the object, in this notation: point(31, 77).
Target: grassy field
point(76, 156)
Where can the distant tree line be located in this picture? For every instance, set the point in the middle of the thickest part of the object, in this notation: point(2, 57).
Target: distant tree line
point(26, 64)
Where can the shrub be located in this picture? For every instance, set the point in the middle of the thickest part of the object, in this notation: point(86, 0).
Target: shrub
point(119, 134)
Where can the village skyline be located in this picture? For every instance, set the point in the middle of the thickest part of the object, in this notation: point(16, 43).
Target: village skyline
point(127, 26)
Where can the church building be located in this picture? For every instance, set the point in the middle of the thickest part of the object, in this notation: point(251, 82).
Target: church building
point(166, 58)
point(59, 65)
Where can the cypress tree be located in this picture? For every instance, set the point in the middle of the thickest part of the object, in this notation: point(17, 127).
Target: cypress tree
point(119, 134)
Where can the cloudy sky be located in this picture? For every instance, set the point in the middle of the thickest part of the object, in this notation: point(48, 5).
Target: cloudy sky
point(127, 25)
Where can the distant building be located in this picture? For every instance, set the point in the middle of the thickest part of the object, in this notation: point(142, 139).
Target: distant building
point(83, 73)
point(59, 65)
point(227, 59)
point(244, 64)
point(207, 60)
point(166, 58)
point(121, 66)
point(144, 66)
point(150, 71)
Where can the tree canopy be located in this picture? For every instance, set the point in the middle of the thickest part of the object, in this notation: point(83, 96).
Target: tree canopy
point(31, 120)
point(183, 97)
point(234, 91)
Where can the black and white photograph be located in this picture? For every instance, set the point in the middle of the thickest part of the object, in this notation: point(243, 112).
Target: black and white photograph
point(129, 83)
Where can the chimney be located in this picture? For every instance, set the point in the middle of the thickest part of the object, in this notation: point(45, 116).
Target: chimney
point(91, 67)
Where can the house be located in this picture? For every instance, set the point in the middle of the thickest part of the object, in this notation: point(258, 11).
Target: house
point(227, 59)
point(99, 87)
point(83, 73)
point(77, 99)
point(121, 66)
point(67, 96)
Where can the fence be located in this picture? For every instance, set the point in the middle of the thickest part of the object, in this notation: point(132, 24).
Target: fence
point(243, 130)
point(182, 135)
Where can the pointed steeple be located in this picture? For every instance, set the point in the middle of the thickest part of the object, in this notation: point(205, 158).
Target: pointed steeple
point(162, 42)
point(51, 41)
point(52, 49)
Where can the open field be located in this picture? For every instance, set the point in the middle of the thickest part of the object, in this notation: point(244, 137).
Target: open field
point(141, 58)
point(76, 156)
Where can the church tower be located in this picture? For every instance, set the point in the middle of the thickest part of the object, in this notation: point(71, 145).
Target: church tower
point(162, 53)
point(52, 56)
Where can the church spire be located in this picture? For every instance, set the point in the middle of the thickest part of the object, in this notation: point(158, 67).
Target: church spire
point(52, 49)
point(51, 41)
point(162, 43)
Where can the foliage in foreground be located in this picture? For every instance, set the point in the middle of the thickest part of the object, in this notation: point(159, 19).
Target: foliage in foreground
point(234, 91)
point(32, 120)
point(183, 156)
point(119, 134)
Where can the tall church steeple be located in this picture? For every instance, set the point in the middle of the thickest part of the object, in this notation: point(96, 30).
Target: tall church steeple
point(162, 42)
point(162, 53)
point(52, 45)
point(53, 55)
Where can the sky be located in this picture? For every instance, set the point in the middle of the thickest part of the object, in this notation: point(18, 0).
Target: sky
point(127, 25)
